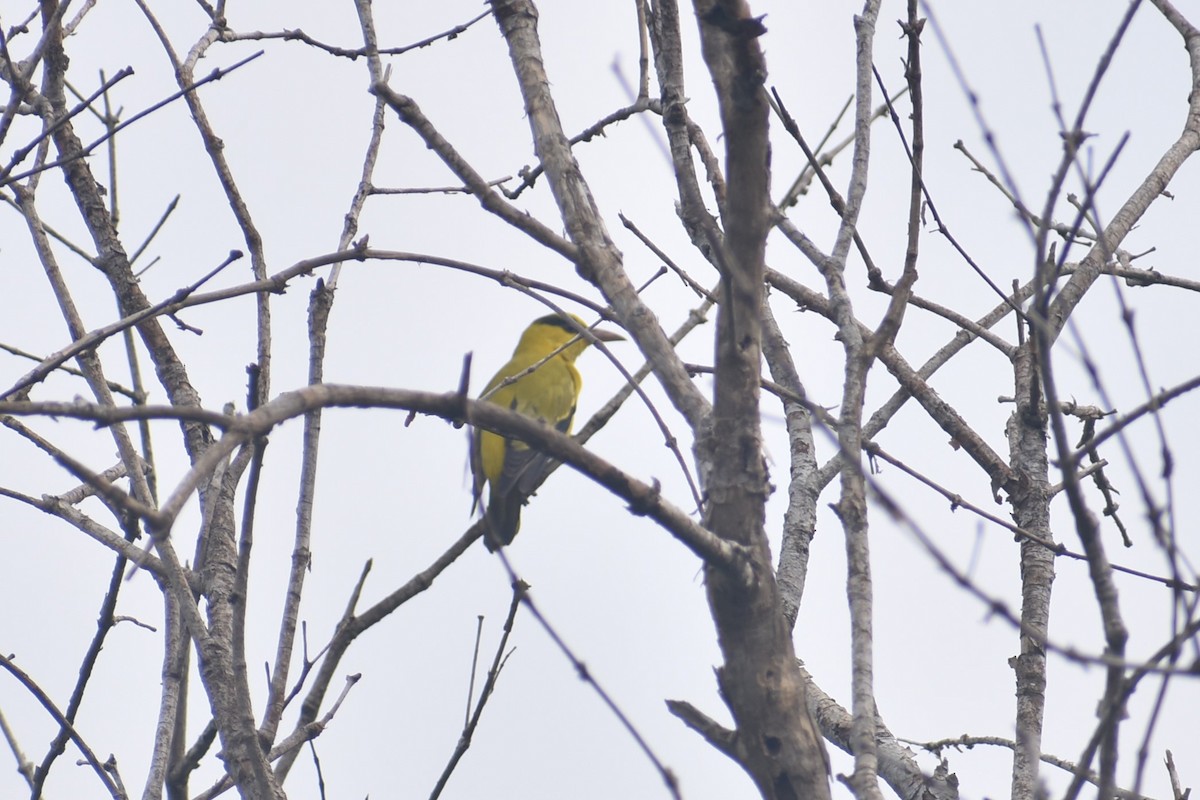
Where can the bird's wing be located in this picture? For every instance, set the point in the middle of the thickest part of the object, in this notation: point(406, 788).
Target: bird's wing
point(518, 459)
point(547, 395)
point(553, 404)
point(523, 466)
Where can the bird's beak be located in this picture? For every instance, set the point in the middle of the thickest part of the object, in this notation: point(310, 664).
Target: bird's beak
point(607, 336)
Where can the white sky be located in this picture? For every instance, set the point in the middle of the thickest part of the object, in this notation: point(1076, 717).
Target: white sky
point(624, 595)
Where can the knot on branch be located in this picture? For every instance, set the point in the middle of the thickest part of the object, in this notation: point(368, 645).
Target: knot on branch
point(645, 502)
point(738, 27)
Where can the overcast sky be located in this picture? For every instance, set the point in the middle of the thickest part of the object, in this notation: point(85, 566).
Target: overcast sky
point(625, 596)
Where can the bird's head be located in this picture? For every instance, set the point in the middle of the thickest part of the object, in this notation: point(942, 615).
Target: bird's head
point(547, 334)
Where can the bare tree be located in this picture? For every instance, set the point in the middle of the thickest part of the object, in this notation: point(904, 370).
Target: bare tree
point(1073, 441)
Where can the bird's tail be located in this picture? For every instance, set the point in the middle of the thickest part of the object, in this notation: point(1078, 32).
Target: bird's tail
point(503, 520)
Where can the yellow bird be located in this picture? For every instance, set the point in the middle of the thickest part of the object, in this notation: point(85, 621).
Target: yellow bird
point(546, 390)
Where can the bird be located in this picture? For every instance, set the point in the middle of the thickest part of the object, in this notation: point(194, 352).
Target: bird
point(546, 390)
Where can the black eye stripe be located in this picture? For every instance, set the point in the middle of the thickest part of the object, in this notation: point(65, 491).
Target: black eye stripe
point(558, 322)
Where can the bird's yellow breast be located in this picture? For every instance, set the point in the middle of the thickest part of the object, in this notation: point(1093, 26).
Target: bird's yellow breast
point(547, 394)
